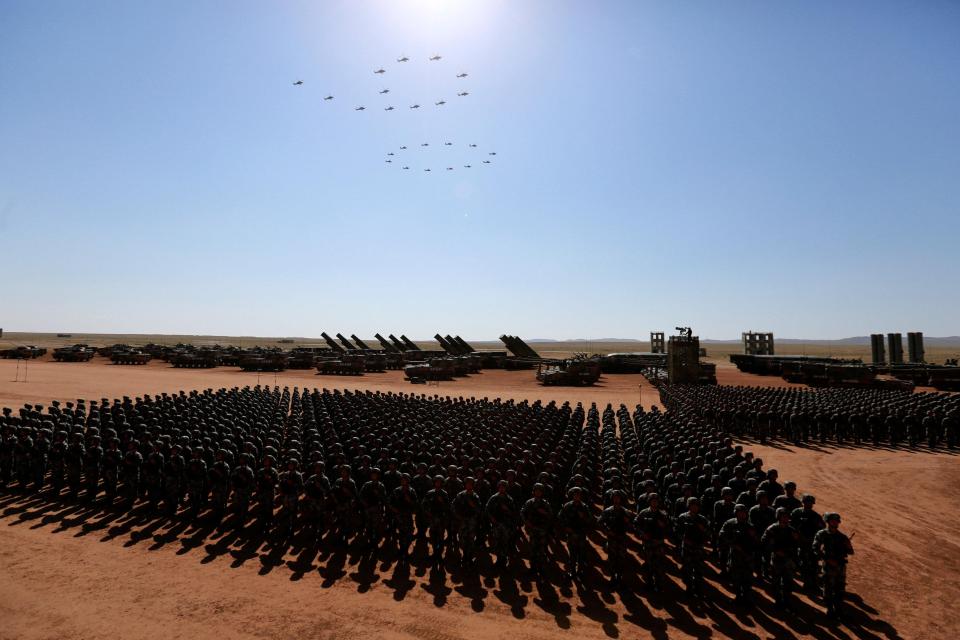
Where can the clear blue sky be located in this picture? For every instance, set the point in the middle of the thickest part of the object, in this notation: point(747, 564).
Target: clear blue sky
point(784, 166)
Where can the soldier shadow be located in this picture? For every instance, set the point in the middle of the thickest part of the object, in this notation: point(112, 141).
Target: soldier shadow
point(655, 613)
point(400, 581)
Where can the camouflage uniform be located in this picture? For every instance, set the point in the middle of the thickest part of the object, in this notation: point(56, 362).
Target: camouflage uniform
point(131, 475)
point(242, 483)
point(740, 539)
point(467, 509)
point(316, 493)
point(437, 504)
point(694, 530)
point(373, 498)
point(781, 542)
point(616, 521)
point(404, 505)
point(219, 484)
point(112, 461)
point(290, 486)
point(173, 481)
point(833, 547)
point(576, 521)
point(807, 522)
point(501, 511)
point(537, 518)
point(653, 525)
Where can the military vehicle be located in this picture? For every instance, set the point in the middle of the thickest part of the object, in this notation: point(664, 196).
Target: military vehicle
point(75, 353)
point(433, 369)
point(266, 361)
point(332, 343)
point(524, 357)
point(28, 352)
point(348, 364)
point(569, 373)
point(198, 359)
point(129, 356)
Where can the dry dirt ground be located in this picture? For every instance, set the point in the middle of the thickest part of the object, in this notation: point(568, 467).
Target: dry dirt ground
point(69, 573)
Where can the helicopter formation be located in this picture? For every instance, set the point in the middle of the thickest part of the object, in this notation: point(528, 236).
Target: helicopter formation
point(381, 71)
point(392, 158)
point(465, 163)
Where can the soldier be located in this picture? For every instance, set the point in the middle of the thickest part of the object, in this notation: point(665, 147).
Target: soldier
point(316, 493)
point(761, 516)
point(404, 505)
point(344, 496)
point(537, 519)
point(373, 499)
point(7, 446)
point(266, 482)
point(130, 474)
point(174, 473)
point(422, 484)
point(501, 512)
point(467, 508)
point(576, 522)
point(58, 452)
point(290, 485)
point(653, 525)
point(219, 484)
point(723, 510)
point(807, 522)
point(24, 455)
point(694, 530)
point(780, 541)
point(242, 483)
point(437, 505)
point(92, 458)
point(197, 482)
point(112, 462)
point(789, 499)
point(40, 453)
point(833, 547)
point(153, 474)
point(616, 521)
point(740, 539)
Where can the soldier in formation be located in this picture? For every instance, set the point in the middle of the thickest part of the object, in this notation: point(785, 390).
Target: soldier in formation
point(466, 478)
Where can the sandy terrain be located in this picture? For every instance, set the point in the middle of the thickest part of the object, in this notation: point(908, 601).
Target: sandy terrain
point(68, 573)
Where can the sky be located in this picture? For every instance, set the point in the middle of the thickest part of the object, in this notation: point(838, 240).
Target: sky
point(780, 166)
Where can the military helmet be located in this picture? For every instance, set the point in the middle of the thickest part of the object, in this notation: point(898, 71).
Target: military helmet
point(808, 499)
point(828, 517)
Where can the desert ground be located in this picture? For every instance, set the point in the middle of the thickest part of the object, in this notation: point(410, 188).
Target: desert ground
point(70, 574)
